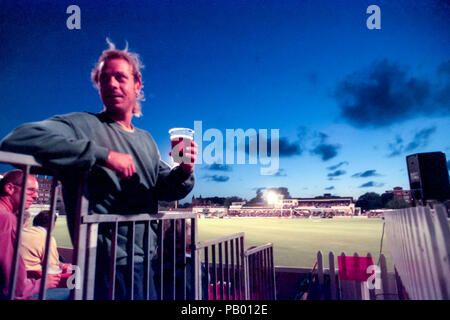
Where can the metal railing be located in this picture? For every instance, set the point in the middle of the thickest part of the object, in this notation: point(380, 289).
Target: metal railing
point(419, 242)
point(86, 228)
point(223, 277)
point(26, 164)
point(181, 263)
point(260, 273)
point(171, 247)
point(85, 250)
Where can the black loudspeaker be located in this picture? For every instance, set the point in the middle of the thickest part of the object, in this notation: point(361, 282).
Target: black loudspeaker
point(428, 177)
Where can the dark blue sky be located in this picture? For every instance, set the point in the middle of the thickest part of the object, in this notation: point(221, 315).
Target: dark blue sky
point(350, 103)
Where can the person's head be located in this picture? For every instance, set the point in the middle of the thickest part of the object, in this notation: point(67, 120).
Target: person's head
point(11, 187)
point(42, 219)
point(118, 78)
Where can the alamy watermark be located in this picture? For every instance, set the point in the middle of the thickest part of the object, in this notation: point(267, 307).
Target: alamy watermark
point(74, 281)
point(374, 280)
point(74, 20)
point(239, 147)
point(374, 20)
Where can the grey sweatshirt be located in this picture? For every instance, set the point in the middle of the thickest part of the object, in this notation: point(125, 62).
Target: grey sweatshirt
point(80, 141)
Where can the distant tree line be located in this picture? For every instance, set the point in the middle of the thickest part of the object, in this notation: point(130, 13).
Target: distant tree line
point(372, 201)
point(218, 201)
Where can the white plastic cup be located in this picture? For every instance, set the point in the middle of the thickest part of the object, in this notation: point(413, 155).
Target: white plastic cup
point(179, 139)
point(54, 269)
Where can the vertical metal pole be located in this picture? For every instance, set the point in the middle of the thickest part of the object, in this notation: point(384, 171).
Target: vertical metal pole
point(269, 275)
point(112, 263)
point(221, 271)
point(183, 251)
point(227, 274)
point(264, 272)
point(196, 266)
point(131, 227)
point(239, 272)
point(248, 283)
point(161, 258)
point(80, 235)
point(214, 271)
point(242, 253)
point(48, 238)
point(172, 258)
point(233, 270)
point(147, 261)
point(15, 261)
point(91, 257)
point(205, 285)
point(272, 267)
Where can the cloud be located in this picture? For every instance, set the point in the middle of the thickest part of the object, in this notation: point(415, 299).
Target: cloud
point(317, 143)
point(419, 141)
point(218, 167)
point(385, 93)
point(442, 95)
point(366, 174)
point(325, 150)
point(216, 178)
point(288, 149)
point(285, 148)
point(330, 188)
point(332, 168)
point(371, 184)
point(259, 188)
point(335, 174)
point(396, 147)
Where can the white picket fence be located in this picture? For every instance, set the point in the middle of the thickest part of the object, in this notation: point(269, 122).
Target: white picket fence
point(419, 243)
point(383, 285)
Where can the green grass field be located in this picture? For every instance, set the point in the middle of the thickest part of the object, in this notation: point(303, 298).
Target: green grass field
point(296, 241)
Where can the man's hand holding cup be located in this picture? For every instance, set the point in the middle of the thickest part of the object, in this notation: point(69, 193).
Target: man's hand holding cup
point(184, 148)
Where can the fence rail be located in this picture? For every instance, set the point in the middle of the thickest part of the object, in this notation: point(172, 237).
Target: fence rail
point(224, 279)
point(419, 242)
point(26, 163)
point(260, 272)
point(172, 254)
point(86, 235)
point(181, 271)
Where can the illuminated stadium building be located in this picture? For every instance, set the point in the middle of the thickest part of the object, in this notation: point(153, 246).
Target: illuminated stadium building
point(297, 207)
point(323, 205)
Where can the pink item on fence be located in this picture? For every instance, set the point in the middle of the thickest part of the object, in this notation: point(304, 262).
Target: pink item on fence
point(354, 268)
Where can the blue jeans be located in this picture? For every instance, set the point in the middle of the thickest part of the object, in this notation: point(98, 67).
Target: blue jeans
point(54, 294)
point(122, 287)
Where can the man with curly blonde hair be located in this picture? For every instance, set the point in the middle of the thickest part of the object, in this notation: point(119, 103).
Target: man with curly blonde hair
point(126, 173)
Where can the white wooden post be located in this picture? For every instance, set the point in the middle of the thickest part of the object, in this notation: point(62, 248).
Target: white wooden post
point(332, 277)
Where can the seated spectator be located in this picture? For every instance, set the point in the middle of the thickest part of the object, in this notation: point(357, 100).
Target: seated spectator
point(10, 193)
point(33, 244)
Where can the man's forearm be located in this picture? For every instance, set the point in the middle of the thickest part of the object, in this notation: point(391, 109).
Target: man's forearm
point(53, 143)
